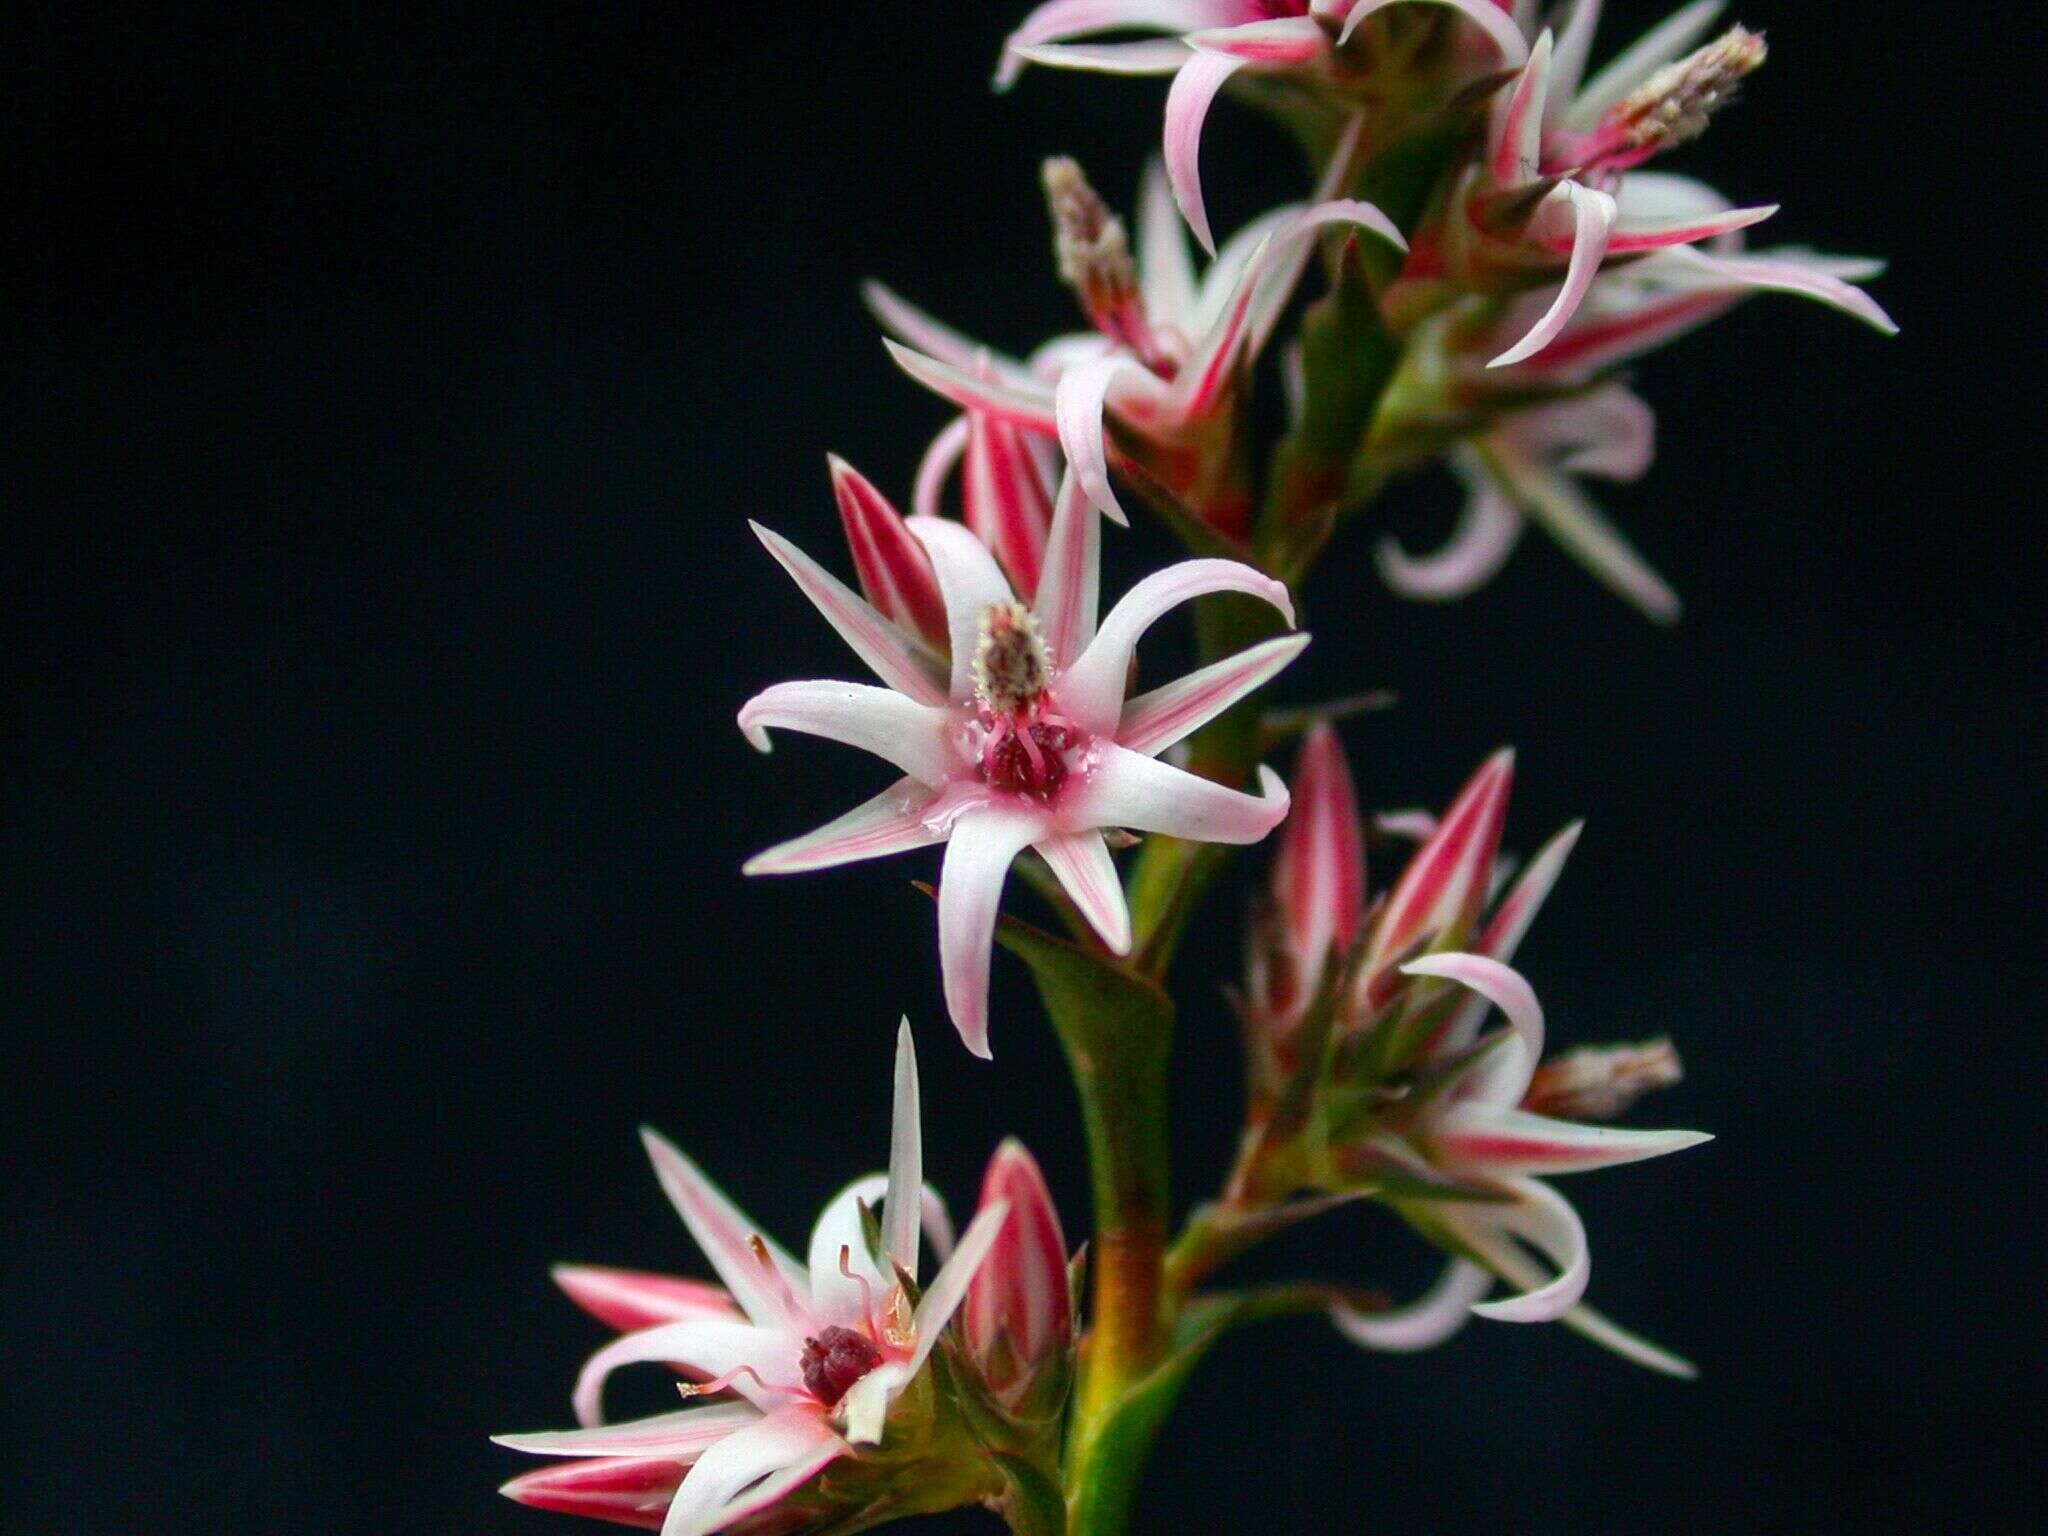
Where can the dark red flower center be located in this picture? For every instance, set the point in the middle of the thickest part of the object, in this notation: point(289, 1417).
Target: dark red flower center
point(1023, 756)
point(835, 1360)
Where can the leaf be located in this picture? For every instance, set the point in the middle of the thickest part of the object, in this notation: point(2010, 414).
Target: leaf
point(1033, 1504)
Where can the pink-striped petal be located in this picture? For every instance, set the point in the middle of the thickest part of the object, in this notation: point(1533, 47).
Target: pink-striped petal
point(1027, 402)
point(1277, 42)
point(928, 490)
point(752, 1470)
point(1632, 236)
point(762, 1364)
point(1489, 17)
point(1187, 107)
point(1504, 932)
point(1003, 501)
point(626, 1490)
point(1126, 789)
point(1153, 56)
point(681, 1435)
point(893, 571)
point(1516, 155)
point(1154, 721)
point(913, 327)
point(1058, 20)
point(761, 1277)
point(1425, 1322)
point(1592, 214)
point(942, 1298)
point(878, 720)
point(904, 816)
point(884, 647)
point(1319, 874)
point(1668, 40)
point(1443, 887)
point(902, 1207)
point(972, 583)
point(1591, 343)
point(1088, 875)
point(1091, 691)
point(628, 1300)
point(1070, 584)
point(978, 859)
point(1502, 1077)
point(1804, 277)
point(1496, 1139)
point(1488, 529)
point(1080, 401)
point(1545, 1220)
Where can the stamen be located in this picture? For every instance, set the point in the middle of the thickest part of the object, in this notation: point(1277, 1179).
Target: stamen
point(1011, 670)
point(1675, 104)
point(867, 1292)
point(1094, 257)
point(1599, 1082)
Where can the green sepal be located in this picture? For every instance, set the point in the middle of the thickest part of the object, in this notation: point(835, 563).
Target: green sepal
point(1032, 1503)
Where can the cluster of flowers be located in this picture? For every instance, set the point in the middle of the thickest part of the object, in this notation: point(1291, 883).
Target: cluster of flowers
point(1494, 250)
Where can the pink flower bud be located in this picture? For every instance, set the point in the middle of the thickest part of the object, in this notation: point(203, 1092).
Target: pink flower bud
point(1019, 1314)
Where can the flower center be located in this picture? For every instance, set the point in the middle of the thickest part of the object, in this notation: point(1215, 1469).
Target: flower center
point(1011, 671)
point(1023, 741)
point(834, 1360)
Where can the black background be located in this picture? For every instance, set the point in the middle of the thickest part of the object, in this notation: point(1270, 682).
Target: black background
point(386, 403)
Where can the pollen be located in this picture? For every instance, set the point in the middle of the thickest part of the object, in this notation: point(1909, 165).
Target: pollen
point(1011, 671)
point(1675, 104)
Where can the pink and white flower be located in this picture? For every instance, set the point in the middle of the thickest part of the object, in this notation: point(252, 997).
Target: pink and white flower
point(1165, 366)
point(1018, 1320)
point(1210, 41)
point(802, 1360)
point(1026, 739)
point(1471, 1128)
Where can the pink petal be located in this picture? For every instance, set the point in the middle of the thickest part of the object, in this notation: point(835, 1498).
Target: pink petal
point(1635, 235)
point(893, 571)
point(1091, 691)
point(753, 1469)
point(1003, 500)
point(1319, 875)
point(1484, 14)
point(937, 463)
point(1545, 1220)
point(1444, 885)
point(1021, 1291)
point(1079, 402)
point(629, 1299)
point(1028, 403)
point(1125, 789)
point(902, 1207)
point(1517, 132)
point(1505, 929)
point(878, 720)
point(760, 1275)
point(1503, 1077)
point(1488, 529)
point(1593, 215)
point(1425, 1322)
point(681, 1435)
point(1087, 873)
point(978, 861)
point(1783, 275)
point(972, 583)
point(1500, 1139)
point(1187, 105)
point(1277, 42)
point(1070, 585)
point(631, 1490)
point(1668, 40)
point(904, 816)
point(873, 638)
point(935, 1308)
point(1154, 721)
point(766, 1359)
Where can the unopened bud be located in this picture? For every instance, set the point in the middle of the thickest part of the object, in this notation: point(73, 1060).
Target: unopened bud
point(1599, 1082)
point(1675, 104)
point(1018, 1318)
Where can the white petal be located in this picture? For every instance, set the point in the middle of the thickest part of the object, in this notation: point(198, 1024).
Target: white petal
point(1478, 1137)
point(1798, 274)
point(900, 818)
point(978, 859)
point(1166, 270)
point(768, 1360)
point(1555, 502)
point(1187, 108)
point(1126, 789)
point(1484, 14)
point(1593, 215)
point(1425, 1322)
point(681, 1435)
point(1151, 56)
point(1154, 721)
point(846, 1285)
point(1087, 873)
point(760, 1275)
point(1574, 45)
point(1584, 1321)
point(1505, 929)
point(1504, 1076)
point(1668, 40)
point(1024, 400)
point(879, 720)
point(1544, 1219)
point(903, 1205)
point(753, 1469)
point(1488, 529)
point(1080, 401)
point(1091, 691)
point(1070, 582)
point(1516, 133)
point(903, 666)
point(942, 1297)
point(972, 583)
point(911, 325)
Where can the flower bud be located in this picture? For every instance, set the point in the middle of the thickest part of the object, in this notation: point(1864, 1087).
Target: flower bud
point(1018, 1319)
